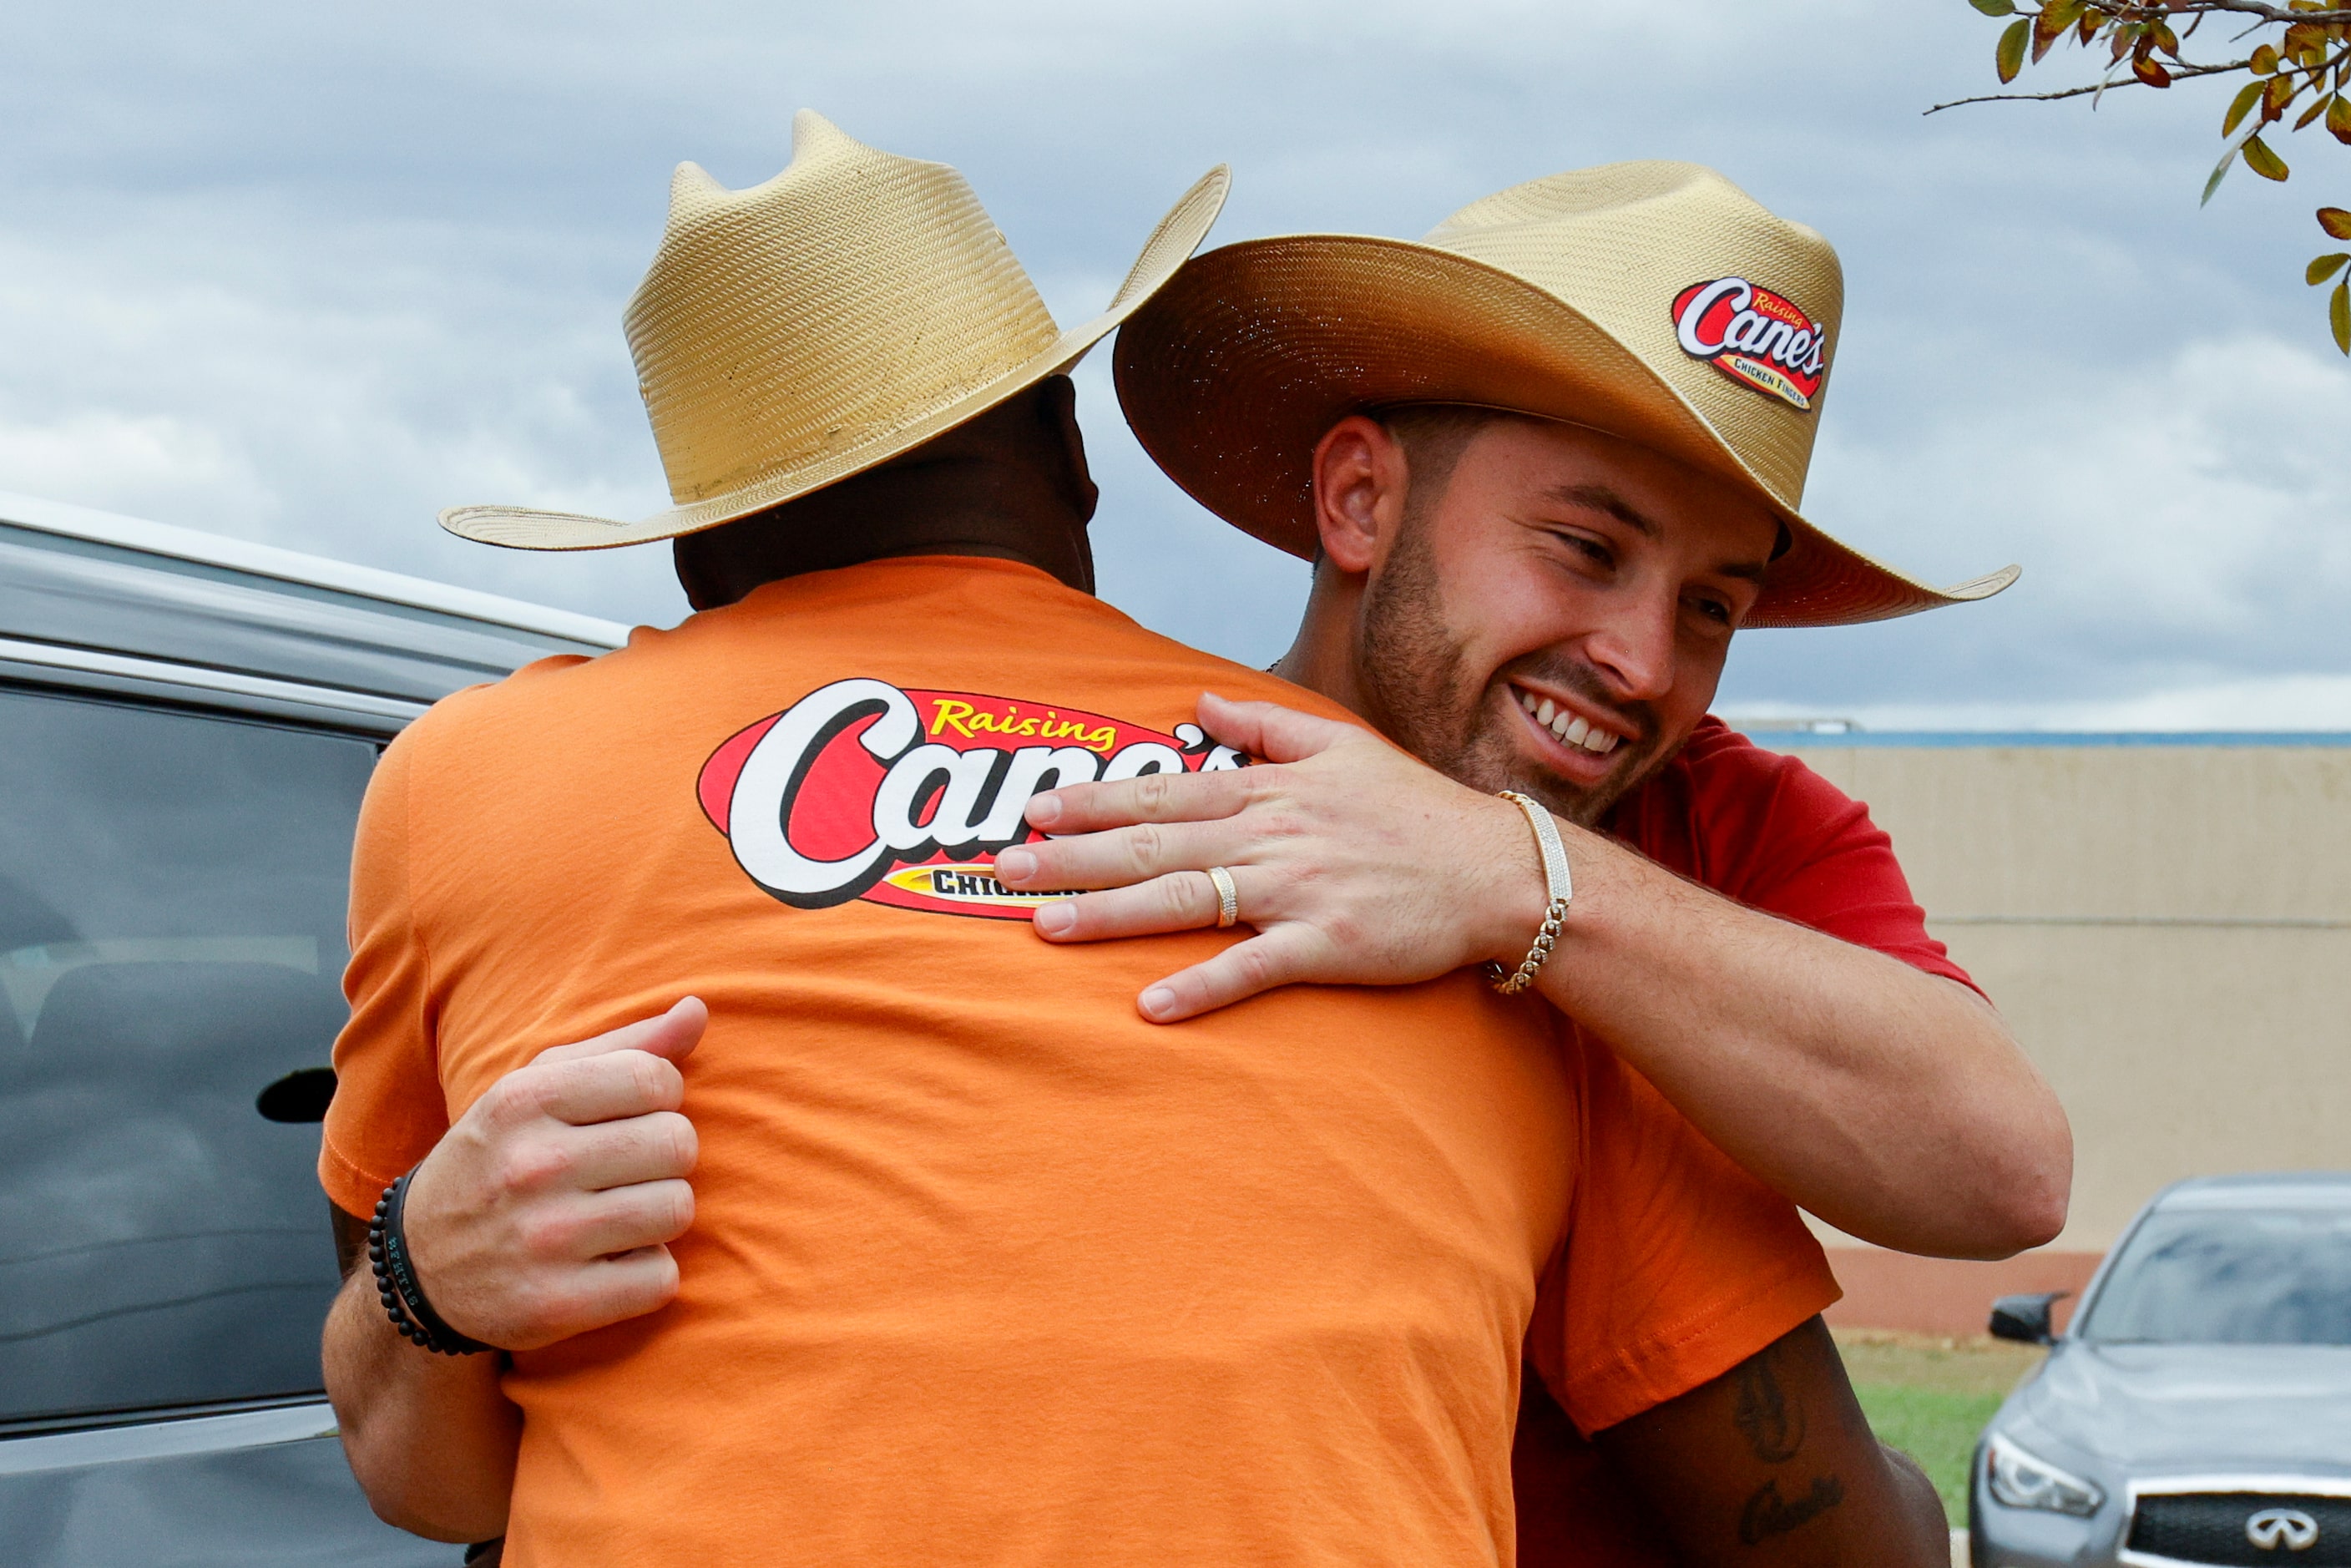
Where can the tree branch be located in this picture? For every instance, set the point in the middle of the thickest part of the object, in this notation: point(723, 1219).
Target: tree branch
point(2257, 8)
point(2179, 73)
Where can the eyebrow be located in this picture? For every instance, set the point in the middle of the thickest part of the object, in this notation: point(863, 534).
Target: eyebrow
point(1601, 499)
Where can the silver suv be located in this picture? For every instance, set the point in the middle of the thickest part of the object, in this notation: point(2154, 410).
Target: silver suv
point(186, 727)
point(2198, 1410)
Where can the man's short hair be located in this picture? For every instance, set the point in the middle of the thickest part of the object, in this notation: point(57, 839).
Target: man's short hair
point(1434, 436)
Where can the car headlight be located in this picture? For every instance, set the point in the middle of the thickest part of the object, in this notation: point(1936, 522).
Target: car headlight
point(2024, 1481)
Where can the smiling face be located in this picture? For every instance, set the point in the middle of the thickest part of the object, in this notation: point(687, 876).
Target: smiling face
point(1551, 613)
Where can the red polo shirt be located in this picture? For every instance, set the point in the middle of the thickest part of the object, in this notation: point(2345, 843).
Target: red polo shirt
point(1769, 833)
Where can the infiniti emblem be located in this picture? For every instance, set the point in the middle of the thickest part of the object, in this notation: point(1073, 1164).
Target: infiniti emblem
point(2287, 1527)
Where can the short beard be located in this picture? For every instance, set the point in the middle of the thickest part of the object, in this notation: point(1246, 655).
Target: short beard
point(1412, 673)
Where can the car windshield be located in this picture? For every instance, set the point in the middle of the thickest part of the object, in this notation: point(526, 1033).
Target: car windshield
point(2250, 1276)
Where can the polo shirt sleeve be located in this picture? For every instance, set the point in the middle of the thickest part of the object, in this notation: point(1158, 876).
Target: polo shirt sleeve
point(1778, 837)
point(389, 1109)
point(1677, 1264)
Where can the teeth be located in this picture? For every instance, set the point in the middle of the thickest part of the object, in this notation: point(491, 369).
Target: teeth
point(1570, 729)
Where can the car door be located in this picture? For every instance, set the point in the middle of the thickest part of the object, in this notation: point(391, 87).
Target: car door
point(172, 889)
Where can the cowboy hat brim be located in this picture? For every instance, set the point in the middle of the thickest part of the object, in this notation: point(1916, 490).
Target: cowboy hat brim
point(1234, 371)
point(1163, 254)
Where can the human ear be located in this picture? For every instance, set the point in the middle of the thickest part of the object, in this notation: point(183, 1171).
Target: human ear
point(702, 590)
point(1058, 408)
point(1359, 485)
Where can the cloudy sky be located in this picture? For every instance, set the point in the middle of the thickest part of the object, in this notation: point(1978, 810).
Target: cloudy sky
point(306, 274)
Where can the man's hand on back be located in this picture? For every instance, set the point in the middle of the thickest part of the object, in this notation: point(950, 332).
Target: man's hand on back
point(544, 1213)
point(546, 1210)
point(1355, 862)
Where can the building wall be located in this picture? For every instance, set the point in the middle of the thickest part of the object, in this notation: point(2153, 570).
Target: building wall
point(2168, 929)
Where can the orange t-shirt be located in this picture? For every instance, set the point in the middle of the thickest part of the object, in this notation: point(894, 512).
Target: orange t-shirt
point(984, 1267)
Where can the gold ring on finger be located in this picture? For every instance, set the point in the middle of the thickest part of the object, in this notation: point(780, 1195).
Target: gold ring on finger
point(1228, 898)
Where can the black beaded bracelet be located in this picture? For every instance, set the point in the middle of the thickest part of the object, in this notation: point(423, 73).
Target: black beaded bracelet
point(395, 1280)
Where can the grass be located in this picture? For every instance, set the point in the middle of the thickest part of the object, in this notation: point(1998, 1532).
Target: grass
point(1930, 1397)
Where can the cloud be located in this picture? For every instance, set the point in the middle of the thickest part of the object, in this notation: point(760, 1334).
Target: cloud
point(128, 463)
point(311, 275)
point(2173, 523)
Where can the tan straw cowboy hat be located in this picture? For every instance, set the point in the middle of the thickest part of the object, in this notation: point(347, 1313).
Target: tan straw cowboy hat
point(846, 311)
point(1653, 301)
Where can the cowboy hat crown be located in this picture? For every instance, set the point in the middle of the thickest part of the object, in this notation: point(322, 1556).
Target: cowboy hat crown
point(791, 334)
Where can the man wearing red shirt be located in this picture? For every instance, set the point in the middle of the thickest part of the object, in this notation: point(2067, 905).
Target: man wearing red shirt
point(1767, 832)
point(1547, 462)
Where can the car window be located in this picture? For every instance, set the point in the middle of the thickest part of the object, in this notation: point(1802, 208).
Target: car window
point(2218, 1277)
point(173, 891)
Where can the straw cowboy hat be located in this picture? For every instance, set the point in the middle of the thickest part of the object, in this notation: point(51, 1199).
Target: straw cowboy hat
point(849, 309)
point(1653, 301)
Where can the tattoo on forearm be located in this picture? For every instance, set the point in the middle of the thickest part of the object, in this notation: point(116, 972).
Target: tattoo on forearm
point(1772, 1424)
point(1768, 1513)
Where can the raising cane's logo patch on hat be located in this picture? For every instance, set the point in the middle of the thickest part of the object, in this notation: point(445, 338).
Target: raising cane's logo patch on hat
point(1755, 337)
point(861, 789)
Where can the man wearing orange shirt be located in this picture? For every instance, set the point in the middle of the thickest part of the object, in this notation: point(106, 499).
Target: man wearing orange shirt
point(976, 1263)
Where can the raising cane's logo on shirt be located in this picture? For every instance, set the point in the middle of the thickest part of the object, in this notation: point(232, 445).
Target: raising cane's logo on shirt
point(1753, 336)
point(862, 790)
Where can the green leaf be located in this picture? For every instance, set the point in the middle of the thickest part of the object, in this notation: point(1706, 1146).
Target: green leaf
point(2264, 60)
point(2323, 267)
point(1995, 7)
point(2336, 221)
point(2010, 54)
point(2240, 107)
point(2220, 172)
point(2317, 107)
point(2262, 161)
point(2338, 315)
point(2338, 118)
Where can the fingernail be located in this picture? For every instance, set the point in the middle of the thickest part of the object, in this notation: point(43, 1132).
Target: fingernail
point(1158, 1002)
point(1055, 919)
point(1044, 810)
point(1015, 865)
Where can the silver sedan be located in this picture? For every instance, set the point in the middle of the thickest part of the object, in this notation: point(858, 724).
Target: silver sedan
point(2198, 1408)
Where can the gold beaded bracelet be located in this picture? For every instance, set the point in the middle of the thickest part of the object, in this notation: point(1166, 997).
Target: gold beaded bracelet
point(1556, 882)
